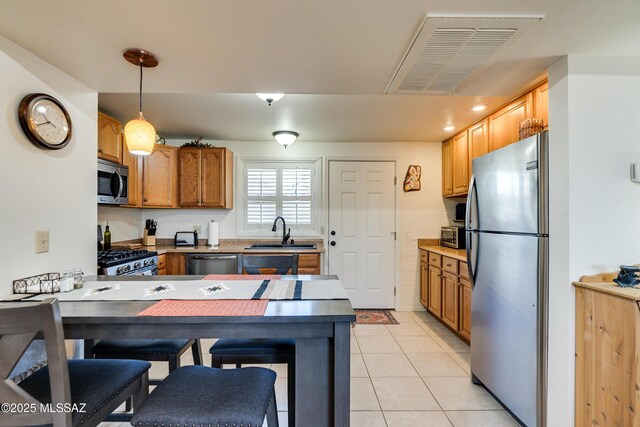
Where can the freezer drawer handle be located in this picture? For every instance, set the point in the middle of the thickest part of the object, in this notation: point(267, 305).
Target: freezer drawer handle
point(215, 257)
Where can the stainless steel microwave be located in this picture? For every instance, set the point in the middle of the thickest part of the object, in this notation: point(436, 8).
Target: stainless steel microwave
point(452, 237)
point(113, 183)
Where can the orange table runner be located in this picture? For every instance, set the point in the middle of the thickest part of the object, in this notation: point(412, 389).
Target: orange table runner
point(242, 277)
point(207, 308)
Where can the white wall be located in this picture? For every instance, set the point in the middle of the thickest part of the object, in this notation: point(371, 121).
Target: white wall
point(593, 109)
point(420, 214)
point(45, 190)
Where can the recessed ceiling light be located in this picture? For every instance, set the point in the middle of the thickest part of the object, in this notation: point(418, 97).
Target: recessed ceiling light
point(480, 107)
point(270, 97)
point(448, 128)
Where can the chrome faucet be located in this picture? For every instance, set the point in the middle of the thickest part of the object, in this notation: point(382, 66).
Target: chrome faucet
point(285, 233)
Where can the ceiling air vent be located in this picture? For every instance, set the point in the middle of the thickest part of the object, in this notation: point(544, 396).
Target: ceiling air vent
point(447, 49)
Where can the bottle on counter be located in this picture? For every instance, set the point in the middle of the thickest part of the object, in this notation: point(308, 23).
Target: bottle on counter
point(107, 238)
point(66, 281)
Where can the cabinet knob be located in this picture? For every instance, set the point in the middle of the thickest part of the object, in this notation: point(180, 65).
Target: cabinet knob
point(99, 150)
point(145, 200)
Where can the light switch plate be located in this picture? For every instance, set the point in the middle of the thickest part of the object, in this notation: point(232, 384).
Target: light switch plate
point(42, 241)
point(198, 229)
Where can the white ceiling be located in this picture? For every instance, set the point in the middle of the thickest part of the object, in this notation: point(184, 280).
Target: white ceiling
point(334, 58)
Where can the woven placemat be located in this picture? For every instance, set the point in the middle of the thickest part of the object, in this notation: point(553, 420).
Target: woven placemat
point(242, 277)
point(207, 308)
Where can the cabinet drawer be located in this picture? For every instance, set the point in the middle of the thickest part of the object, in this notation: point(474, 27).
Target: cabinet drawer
point(464, 269)
point(424, 256)
point(435, 259)
point(450, 265)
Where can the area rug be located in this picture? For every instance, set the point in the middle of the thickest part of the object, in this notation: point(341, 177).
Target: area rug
point(375, 317)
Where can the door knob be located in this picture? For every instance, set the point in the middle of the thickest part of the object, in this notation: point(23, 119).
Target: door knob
point(333, 232)
point(333, 243)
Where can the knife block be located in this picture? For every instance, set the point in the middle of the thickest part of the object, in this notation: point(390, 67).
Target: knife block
point(148, 240)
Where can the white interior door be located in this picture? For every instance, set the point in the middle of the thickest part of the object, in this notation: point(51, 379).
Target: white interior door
point(362, 231)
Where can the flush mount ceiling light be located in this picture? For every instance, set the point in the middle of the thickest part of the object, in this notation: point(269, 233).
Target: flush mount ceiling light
point(448, 128)
point(139, 133)
point(270, 97)
point(285, 137)
point(480, 107)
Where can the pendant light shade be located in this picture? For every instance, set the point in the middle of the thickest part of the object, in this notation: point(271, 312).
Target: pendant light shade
point(139, 134)
point(285, 137)
point(270, 97)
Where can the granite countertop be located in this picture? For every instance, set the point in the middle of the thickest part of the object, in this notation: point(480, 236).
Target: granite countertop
point(459, 254)
point(164, 246)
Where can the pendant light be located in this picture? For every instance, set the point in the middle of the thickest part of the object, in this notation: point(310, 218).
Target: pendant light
point(139, 133)
point(285, 137)
point(270, 97)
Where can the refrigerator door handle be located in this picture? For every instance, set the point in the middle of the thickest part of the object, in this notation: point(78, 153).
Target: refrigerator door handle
point(472, 255)
point(470, 205)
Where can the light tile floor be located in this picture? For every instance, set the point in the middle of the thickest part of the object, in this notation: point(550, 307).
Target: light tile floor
point(412, 374)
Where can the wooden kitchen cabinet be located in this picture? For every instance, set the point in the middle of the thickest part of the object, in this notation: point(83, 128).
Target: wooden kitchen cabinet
point(464, 306)
point(541, 99)
point(205, 177)
point(309, 264)
point(109, 138)
point(162, 265)
point(134, 179)
point(460, 163)
point(447, 169)
point(478, 136)
point(176, 264)
point(504, 124)
point(160, 177)
point(434, 289)
point(445, 291)
point(450, 299)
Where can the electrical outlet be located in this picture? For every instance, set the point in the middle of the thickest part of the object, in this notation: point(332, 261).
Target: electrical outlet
point(42, 241)
point(197, 229)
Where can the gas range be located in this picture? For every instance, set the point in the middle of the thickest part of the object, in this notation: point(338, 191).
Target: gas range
point(127, 262)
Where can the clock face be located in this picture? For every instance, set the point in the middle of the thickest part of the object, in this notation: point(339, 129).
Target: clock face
point(45, 121)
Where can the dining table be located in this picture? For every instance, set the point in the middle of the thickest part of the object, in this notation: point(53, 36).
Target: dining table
point(314, 312)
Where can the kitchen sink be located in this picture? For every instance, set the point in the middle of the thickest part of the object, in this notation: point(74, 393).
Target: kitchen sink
point(283, 246)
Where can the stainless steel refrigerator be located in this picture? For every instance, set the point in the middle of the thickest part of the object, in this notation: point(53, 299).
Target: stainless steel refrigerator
point(507, 253)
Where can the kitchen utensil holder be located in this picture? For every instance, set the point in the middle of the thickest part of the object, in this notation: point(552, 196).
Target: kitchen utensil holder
point(46, 283)
point(148, 240)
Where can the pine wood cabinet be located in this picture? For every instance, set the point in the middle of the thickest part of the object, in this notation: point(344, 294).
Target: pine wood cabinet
point(445, 291)
point(504, 124)
point(134, 179)
point(109, 138)
point(162, 265)
point(464, 306)
point(160, 177)
point(478, 136)
point(176, 264)
point(541, 100)
point(205, 177)
point(447, 169)
point(460, 163)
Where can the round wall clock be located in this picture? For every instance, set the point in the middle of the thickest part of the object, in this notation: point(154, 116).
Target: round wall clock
point(45, 121)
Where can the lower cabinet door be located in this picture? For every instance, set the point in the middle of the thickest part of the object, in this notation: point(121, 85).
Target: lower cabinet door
point(424, 281)
point(450, 300)
point(464, 328)
point(434, 301)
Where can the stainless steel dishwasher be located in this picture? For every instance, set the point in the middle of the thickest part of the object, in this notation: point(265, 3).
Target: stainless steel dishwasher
point(206, 263)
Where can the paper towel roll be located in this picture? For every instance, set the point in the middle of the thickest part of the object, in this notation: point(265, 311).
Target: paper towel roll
point(214, 234)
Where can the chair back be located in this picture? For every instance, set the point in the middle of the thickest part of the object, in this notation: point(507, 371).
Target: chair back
point(20, 323)
point(281, 263)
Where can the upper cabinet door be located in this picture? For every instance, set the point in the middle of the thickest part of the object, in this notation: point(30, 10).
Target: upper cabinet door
point(504, 123)
point(541, 96)
point(109, 138)
point(189, 177)
point(213, 177)
point(160, 177)
point(478, 142)
point(135, 175)
point(460, 163)
point(447, 172)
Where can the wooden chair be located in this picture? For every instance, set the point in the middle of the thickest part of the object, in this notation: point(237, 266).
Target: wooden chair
point(95, 387)
point(260, 350)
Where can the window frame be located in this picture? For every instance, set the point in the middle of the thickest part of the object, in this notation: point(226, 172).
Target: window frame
point(264, 230)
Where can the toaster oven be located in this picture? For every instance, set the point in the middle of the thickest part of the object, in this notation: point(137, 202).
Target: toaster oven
point(452, 237)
